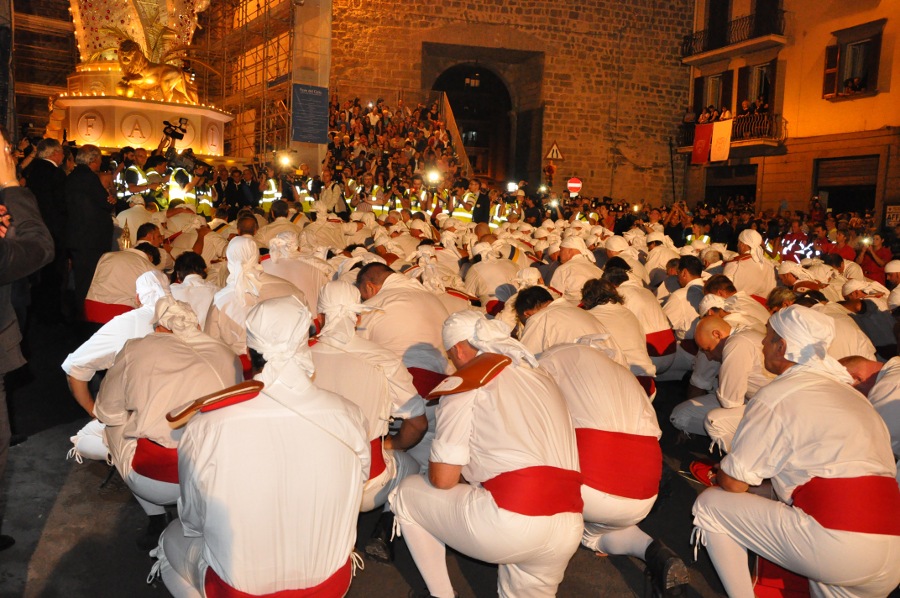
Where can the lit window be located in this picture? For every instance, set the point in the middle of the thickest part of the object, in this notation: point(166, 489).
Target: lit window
point(851, 64)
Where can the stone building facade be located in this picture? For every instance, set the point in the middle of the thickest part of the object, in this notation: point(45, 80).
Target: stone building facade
point(603, 80)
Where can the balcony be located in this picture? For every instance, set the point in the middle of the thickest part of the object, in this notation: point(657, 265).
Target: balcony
point(752, 130)
point(751, 33)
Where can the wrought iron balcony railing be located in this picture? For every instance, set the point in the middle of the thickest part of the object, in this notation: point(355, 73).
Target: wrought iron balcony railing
point(738, 30)
point(751, 127)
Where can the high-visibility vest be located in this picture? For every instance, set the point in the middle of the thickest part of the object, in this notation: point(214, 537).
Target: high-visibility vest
point(176, 191)
point(142, 180)
point(270, 194)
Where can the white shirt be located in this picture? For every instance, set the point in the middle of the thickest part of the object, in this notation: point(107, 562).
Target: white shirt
point(849, 339)
point(559, 322)
point(282, 515)
point(885, 397)
point(600, 394)
point(408, 323)
point(134, 217)
point(196, 292)
point(517, 420)
point(656, 264)
point(115, 276)
point(483, 278)
point(303, 275)
point(681, 308)
point(751, 277)
point(279, 225)
point(806, 424)
point(742, 372)
point(626, 330)
point(99, 352)
point(748, 308)
point(644, 306)
point(570, 277)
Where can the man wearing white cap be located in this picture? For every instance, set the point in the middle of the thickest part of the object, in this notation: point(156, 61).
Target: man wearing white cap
point(247, 285)
point(99, 353)
point(503, 425)
point(619, 454)
point(488, 272)
point(576, 268)
point(750, 271)
point(618, 246)
point(151, 376)
point(828, 456)
point(278, 223)
point(379, 385)
point(305, 272)
point(282, 516)
point(661, 251)
point(740, 376)
point(892, 278)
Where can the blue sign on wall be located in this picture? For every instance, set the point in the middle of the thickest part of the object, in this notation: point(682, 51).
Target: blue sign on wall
point(309, 114)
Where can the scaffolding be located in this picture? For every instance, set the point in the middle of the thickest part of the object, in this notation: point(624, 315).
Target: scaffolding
point(244, 64)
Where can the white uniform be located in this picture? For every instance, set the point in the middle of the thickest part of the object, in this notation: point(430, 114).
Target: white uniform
point(382, 388)
point(681, 309)
point(559, 322)
point(885, 397)
point(803, 425)
point(302, 274)
point(741, 375)
point(133, 217)
point(517, 421)
point(754, 278)
point(279, 225)
point(849, 339)
point(140, 388)
point(570, 277)
point(626, 330)
point(115, 276)
point(602, 396)
point(268, 519)
point(656, 264)
point(752, 311)
point(196, 292)
point(483, 278)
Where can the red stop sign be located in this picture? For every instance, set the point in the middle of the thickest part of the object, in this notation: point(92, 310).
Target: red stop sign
point(574, 185)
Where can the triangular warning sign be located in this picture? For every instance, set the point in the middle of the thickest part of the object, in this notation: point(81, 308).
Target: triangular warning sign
point(554, 153)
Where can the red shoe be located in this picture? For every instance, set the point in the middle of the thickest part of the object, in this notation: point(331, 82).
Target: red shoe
point(704, 472)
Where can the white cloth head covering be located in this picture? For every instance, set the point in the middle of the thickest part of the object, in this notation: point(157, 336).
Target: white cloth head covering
point(176, 316)
point(341, 303)
point(807, 335)
point(892, 267)
point(284, 246)
point(151, 286)
point(279, 329)
point(420, 225)
point(710, 301)
point(485, 250)
point(453, 223)
point(753, 240)
point(243, 267)
point(616, 243)
point(656, 237)
point(527, 277)
point(796, 269)
point(869, 287)
point(489, 336)
point(136, 200)
point(578, 243)
point(604, 341)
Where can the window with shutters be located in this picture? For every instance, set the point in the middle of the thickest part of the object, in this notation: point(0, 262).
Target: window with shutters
point(851, 64)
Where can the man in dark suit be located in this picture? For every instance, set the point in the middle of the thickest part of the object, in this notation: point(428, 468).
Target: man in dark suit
point(25, 246)
point(89, 230)
point(47, 181)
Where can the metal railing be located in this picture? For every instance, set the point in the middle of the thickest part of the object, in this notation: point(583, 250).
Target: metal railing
point(738, 30)
point(763, 126)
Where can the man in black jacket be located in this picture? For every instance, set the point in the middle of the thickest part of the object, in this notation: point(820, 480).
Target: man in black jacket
point(89, 230)
point(25, 246)
point(47, 181)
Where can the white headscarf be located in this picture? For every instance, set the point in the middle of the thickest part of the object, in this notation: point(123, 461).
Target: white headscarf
point(151, 286)
point(604, 341)
point(754, 240)
point(799, 272)
point(485, 250)
point(710, 301)
point(578, 243)
point(284, 246)
point(807, 335)
point(279, 329)
point(177, 316)
point(489, 336)
point(341, 303)
point(243, 267)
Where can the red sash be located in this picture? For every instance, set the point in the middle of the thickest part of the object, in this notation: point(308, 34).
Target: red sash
point(156, 462)
point(246, 366)
point(494, 307)
point(378, 464)
point(772, 581)
point(425, 380)
point(101, 313)
point(648, 384)
point(661, 343)
point(333, 587)
point(537, 491)
point(760, 300)
point(620, 464)
point(867, 504)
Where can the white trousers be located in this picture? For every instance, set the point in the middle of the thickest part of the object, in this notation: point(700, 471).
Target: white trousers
point(532, 552)
point(689, 416)
point(610, 523)
point(680, 365)
point(181, 562)
point(89, 443)
point(837, 563)
point(376, 491)
point(152, 495)
point(721, 424)
point(663, 363)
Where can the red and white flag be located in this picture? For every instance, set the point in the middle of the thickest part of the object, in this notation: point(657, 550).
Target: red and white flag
point(702, 140)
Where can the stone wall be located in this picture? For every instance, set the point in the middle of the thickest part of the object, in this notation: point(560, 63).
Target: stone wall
point(613, 88)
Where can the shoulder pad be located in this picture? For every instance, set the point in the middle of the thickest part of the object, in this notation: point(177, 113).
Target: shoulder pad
point(801, 286)
point(739, 258)
point(460, 294)
point(221, 398)
point(475, 374)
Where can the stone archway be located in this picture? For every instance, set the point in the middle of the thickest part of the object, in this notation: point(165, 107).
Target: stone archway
point(481, 104)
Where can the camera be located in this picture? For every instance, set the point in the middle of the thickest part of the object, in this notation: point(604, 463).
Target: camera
point(186, 160)
point(175, 132)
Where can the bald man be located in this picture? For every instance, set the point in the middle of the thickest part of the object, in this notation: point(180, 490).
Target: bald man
point(741, 374)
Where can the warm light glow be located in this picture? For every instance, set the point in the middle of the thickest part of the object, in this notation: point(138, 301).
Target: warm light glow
point(434, 177)
point(511, 187)
point(285, 160)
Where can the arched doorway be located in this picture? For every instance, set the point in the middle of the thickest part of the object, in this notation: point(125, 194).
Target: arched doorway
point(481, 104)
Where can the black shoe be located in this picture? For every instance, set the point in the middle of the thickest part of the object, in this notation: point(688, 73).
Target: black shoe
point(666, 570)
point(379, 547)
point(155, 528)
point(6, 542)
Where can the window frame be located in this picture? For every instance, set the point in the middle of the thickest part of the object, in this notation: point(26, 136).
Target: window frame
point(837, 55)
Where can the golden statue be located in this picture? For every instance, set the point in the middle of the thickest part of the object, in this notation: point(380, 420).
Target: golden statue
point(138, 73)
